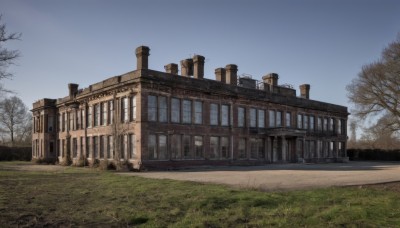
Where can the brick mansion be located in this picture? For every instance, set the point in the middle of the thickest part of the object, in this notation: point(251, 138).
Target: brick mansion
point(155, 119)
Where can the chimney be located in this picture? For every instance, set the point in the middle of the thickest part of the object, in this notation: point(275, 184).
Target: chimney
point(171, 68)
point(198, 66)
point(231, 74)
point(220, 75)
point(305, 91)
point(73, 89)
point(187, 67)
point(271, 79)
point(142, 56)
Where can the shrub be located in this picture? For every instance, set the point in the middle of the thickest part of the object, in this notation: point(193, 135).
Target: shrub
point(15, 153)
point(373, 154)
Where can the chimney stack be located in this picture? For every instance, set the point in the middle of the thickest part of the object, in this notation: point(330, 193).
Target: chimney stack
point(73, 89)
point(271, 79)
point(171, 68)
point(231, 74)
point(142, 56)
point(198, 66)
point(187, 67)
point(305, 91)
point(220, 75)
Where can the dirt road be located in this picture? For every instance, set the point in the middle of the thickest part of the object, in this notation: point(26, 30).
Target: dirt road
point(287, 176)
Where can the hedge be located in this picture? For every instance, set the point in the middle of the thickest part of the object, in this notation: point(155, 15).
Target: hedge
point(373, 154)
point(15, 153)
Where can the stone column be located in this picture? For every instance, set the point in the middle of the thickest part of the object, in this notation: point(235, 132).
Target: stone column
point(275, 148)
point(284, 155)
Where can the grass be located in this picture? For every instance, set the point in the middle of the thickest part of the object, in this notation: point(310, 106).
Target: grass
point(91, 198)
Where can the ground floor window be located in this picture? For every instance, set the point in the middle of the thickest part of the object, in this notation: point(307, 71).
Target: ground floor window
point(257, 148)
point(198, 146)
point(110, 149)
point(132, 146)
point(186, 147)
point(176, 147)
point(157, 147)
point(74, 148)
point(242, 148)
point(214, 147)
point(162, 147)
point(224, 147)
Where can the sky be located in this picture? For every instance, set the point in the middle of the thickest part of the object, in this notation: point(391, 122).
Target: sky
point(323, 43)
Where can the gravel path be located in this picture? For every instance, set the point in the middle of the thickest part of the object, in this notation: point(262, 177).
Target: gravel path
point(287, 176)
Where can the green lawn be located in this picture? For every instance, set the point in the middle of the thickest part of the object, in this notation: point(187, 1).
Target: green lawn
point(87, 197)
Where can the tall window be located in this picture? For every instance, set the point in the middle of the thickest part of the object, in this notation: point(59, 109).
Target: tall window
point(279, 119)
point(299, 121)
point(305, 122)
point(132, 146)
point(104, 113)
point(261, 118)
point(101, 145)
point(175, 110)
point(225, 115)
point(176, 148)
point(59, 123)
point(71, 121)
point(253, 117)
point(124, 145)
point(198, 112)
point(95, 147)
point(89, 117)
point(272, 118)
point(187, 111)
point(162, 109)
point(74, 147)
point(312, 122)
point(82, 146)
point(133, 108)
point(331, 125)
point(162, 147)
point(242, 148)
point(325, 124)
point(152, 108)
point(50, 123)
point(111, 112)
point(65, 121)
point(224, 147)
point(198, 146)
point(214, 147)
point(288, 119)
point(97, 115)
point(186, 147)
point(124, 109)
point(83, 122)
point(213, 114)
point(110, 150)
point(319, 124)
point(241, 117)
point(253, 148)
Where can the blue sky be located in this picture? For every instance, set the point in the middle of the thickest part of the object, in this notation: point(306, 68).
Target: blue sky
point(319, 42)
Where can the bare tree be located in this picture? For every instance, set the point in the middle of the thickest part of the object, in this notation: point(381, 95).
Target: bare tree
point(376, 90)
point(13, 117)
point(7, 57)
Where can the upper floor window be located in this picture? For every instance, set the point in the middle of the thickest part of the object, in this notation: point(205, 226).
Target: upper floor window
point(325, 124)
point(305, 122)
point(272, 118)
point(312, 122)
point(288, 119)
point(162, 109)
point(175, 110)
point(111, 112)
point(299, 121)
point(224, 115)
point(198, 112)
point(241, 117)
point(331, 124)
point(104, 113)
point(261, 118)
point(124, 109)
point(151, 108)
point(89, 116)
point(97, 115)
point(187, 111)
point(279, 119)
point(253, 117)
point(133, 108)
point(319, 124)
point(213, 114)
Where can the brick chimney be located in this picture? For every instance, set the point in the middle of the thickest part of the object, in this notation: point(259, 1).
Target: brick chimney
point(73, 89)
point(305, 91)
point(220, 75)
point(271, 79)
point(142, 56)
point(171, 68)
point(231, 74)
point(198, 66)
point(187, 67)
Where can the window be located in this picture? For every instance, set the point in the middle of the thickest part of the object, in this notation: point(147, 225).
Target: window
point(111, 112)
point(71, 121)
point(214, 147)
point(187, 111)
point(133, 108)
point(83, 115)
point(341, 150)
point(198, 112)
point(59, 123)
point(124, 146)
point(224, 115)
point(95, 147)
point(162, 109)
point(198, 146)
point(64, 121)
point(151, 147)
point(312, 122)
point(299, 121)
point(176, 146)
point(50, 123)
point(288, 119)
point(213, 114)
point(279, 119)
point(82, 146)
point(272, 118)
point(305, 122)
point(224, 147)
point(332, 125)
point(186, 147)
point(253, 117)
point(110, 149)
point(101, 145)
point(104, 113)
point(242, 148)
point(97, 115)
point(253, 148)
point(88, 147)
point(325, 124)
point(261, 118)
point(124, 109)
point(89, 117)
point(162, 147)
point(175, 110)
point(51, 147)
point(319, 124)
point(241, 117)
point(132, 146)
point(152, 108)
